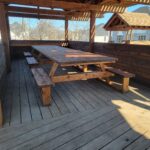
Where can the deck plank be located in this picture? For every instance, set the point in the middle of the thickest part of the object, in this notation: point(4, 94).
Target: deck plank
point(84, 115)
point(35, 110)
point(78, 96)
point(16, 109)
point(49, 131)
point(25, 107)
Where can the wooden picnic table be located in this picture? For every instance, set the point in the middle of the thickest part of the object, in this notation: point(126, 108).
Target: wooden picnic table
point(64, 57)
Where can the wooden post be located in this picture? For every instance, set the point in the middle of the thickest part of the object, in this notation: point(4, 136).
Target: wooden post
point(46, 96)
point(92, 30)
point(127, 36)
point(131, 35)
point(109, 36)
point(125, 85)
point(66, 29)
point(5, 33)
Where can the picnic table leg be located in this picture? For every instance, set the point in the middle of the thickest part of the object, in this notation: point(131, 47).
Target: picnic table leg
point(46, 95)
point(125, 85)
point(85, 68)
point(102, 67)
point(53, 69)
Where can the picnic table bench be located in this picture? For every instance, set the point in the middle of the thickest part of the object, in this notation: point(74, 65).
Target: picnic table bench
point(124, 74)
point(32, 62)
point(44, 82)
point(27, 54)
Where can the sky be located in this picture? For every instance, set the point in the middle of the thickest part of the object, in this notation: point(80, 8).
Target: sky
point(73, 24)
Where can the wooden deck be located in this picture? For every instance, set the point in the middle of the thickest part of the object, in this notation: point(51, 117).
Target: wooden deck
point(84, 115)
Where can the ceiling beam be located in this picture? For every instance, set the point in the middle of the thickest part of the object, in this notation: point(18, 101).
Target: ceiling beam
point(26, 15)
point(54, 4)
point(40, 11)
point(35, 10)
point(67, 5)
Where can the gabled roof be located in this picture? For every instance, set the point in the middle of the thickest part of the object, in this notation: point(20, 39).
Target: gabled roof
point(128, 20)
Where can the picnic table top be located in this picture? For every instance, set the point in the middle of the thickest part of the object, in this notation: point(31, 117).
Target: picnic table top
point(68, 56)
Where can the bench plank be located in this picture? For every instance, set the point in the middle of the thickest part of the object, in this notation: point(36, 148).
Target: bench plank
point(126, 77)
point(120, 72)
point(41, 77)
point(31, 61)
point(27, 54)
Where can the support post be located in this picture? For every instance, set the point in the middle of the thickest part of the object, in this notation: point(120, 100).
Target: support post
point(66, 29)
point(46, 96)
point(109, 36)
point(127, 36)
point(125, 85)
point(131, 35)
point(92, 30)
point(5, 33)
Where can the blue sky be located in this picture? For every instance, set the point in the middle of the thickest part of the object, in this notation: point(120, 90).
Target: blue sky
point(72, 25)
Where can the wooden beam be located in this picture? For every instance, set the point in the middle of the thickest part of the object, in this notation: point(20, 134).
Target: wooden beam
point(35, 11)
point(110, 36)
point(69, 5)
point(137, 2)
point(92, 30)
point(41, 11)
point(125, 85)
point(53, 69)
point(26, 15)
point(5, 33)
point(80, 76)
point(54, 4)
point(36, 42)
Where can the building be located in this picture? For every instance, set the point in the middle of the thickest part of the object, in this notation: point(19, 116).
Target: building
point(138, 35)
point(101, 34)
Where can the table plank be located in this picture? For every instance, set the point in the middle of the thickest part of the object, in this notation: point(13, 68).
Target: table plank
point(69, 56)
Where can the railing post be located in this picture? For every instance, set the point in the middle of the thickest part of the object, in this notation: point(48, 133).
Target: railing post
point(5, 33)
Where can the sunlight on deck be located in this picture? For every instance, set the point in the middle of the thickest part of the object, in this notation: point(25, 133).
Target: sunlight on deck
point(137, 117)
point(135, 91)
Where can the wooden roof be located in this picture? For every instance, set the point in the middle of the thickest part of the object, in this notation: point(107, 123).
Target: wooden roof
point(128, 20)
point(81, 5)
point(72, 9)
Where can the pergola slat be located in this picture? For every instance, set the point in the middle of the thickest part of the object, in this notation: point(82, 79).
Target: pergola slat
point(69, 5)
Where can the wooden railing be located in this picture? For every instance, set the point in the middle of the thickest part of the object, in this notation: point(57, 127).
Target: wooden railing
point(133, 58)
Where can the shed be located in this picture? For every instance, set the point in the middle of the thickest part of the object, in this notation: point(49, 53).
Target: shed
point(128, 21)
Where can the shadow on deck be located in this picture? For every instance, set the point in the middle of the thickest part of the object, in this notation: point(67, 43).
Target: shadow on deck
point(83, 115)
